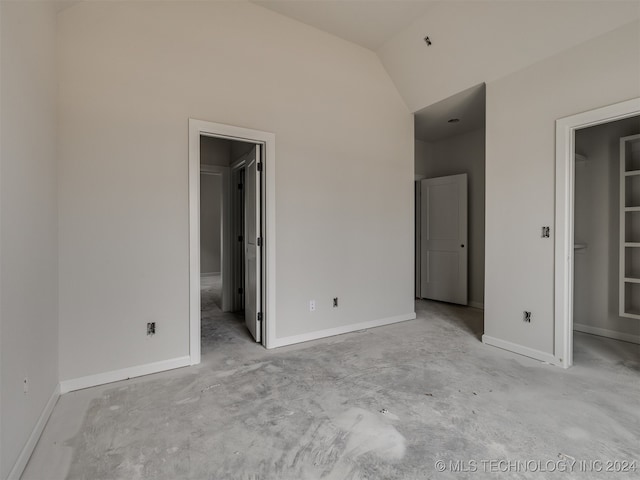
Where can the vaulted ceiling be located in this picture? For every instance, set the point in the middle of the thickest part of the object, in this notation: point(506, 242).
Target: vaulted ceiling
point(369, 23)
point(474, 42)
point(372, 23)
point(469, 44)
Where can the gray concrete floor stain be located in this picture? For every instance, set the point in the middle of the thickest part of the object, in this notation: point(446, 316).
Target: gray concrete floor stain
point(384, 403)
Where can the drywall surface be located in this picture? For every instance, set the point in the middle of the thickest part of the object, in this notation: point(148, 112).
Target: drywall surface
point(343, 171)
point(462, 154)
point(210, 223)
point(215, 151)
point(28, 221)
point(475, 42)
point(238, 149)
point(520, 174)
point(597, 225)
point(423, 153)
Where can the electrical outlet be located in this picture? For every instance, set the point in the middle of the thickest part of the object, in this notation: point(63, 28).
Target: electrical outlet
point(151, 328)
point(546, 232)
point(335, 302)
point(25, 385)
point(312, 305)
point(526, 316)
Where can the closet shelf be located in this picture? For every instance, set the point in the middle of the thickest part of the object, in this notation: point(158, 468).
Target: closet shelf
point(580, 246)
point(629, 301)
point(581, 158)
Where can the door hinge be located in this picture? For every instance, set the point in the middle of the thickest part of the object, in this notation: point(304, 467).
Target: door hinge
point(259, 166)
point(259, 316)
point(240, 186)
point(259, 241)
point(240, 238)
point(240, 290)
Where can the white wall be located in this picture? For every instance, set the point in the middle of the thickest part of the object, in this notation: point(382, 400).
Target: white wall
point(597, 224)
point(451, 156)
point(210, 223)
point(475, 42)
point(344, 171)
point(541, 61)
point(423, 153)
point(28, 222)
point(520, 174)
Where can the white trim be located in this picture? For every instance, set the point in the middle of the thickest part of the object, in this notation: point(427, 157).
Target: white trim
point(565, 174)
point(239, 163)
point(604, 332)
point(32, 441)
point(196, 129)
point(477, 305)
point(330, 332)
point(519, 349)
point(67, 386)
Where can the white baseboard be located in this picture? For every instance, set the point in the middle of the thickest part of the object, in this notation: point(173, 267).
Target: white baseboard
point(330, 332)
point(603, 332)
point(32, 441)
point(519, 349)
point(477, 305)
point(210, 274)
point(123, 374)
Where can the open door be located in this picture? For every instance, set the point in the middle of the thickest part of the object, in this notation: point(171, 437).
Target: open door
point(443, 244)
point(253, 244)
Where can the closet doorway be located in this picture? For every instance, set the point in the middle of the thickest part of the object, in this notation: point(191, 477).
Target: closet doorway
point(592, 210)
point(606, 288)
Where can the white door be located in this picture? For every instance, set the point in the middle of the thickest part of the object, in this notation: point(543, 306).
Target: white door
point(252, 245)
point(443, 241)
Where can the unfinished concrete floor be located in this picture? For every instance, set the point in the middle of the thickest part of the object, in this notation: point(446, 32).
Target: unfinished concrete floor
point(385, 403)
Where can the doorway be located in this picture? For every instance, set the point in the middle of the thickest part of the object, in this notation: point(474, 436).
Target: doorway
point(450, 147)
point(566, 240)
point(606, 294)
point(245, 228)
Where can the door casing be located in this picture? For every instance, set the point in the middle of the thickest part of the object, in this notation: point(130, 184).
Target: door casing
point(198, 128)
point(565, 186)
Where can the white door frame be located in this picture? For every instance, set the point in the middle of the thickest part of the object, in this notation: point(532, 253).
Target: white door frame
point(268, 140)
point(565, 185)
point(226, 237)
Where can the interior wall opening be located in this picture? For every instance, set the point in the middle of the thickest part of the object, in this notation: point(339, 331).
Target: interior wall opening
point(450, 191)
point(606, 226)
point(225, 202)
